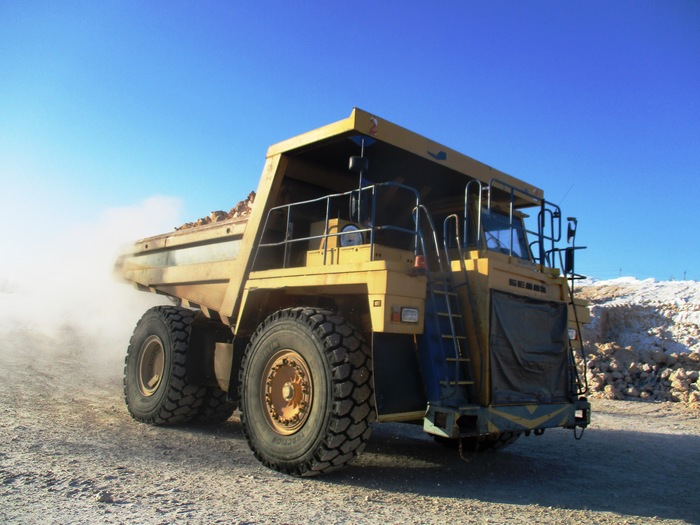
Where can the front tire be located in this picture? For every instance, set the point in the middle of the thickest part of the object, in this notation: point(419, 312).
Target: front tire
point(502, 440)
point(305, 392)
point(156, 389)
point(495, 441)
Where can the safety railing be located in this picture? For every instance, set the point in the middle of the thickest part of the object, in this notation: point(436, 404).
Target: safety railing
point(355, 209)
point(548, 226)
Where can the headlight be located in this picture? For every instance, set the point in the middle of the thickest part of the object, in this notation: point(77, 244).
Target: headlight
point(409, 315)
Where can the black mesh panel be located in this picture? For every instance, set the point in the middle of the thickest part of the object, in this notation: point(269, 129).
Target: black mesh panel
point(529, 356)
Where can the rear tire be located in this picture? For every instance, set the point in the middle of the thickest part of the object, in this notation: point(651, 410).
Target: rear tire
point(215, 407)
point(156, 389)
point(305, 392)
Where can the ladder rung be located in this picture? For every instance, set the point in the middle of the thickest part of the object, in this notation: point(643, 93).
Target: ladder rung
point(458, 359)
point(452, 383)
point(442, 292)
point(448, 336)
point(445, 314)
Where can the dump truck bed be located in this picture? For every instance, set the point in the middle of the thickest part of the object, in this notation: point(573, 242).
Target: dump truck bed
point(194, 265)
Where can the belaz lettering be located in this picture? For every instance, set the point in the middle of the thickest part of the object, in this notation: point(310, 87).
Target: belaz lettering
point(528, 286)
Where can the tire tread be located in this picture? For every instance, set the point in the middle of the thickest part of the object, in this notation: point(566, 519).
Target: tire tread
point(353, 411)
point(182, 400)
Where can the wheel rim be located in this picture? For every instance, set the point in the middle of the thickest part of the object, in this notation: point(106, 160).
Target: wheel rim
point(151, 365)
point(286, 392)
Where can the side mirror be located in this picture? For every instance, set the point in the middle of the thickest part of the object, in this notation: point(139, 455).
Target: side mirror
point(569, 261)
point(358, 164)
point(571, 229)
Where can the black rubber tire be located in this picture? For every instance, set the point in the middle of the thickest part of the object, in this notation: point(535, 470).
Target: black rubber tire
point(494, 441)
point(162, 333)
point(501, 440)
point(336, 427)
point(215, 407)
point(448, 442)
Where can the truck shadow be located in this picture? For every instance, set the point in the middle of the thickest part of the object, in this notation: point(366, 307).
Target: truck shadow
point(637, 474)
point(634, 474)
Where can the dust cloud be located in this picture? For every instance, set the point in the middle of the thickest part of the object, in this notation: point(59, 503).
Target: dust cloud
point(58, 293)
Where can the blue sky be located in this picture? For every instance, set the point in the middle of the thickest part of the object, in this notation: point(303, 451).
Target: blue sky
point(104, 105)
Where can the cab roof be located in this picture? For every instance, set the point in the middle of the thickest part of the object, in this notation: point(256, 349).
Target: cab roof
point(395, 153)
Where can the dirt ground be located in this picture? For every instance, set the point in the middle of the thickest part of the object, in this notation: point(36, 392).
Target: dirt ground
point(70, 453)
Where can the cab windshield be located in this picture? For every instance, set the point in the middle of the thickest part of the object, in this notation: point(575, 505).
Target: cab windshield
point(502, 236)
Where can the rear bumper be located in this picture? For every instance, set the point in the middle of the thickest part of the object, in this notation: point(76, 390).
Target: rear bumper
point(477, 420)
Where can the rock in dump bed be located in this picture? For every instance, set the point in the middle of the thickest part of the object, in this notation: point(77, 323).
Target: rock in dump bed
point(240, 210)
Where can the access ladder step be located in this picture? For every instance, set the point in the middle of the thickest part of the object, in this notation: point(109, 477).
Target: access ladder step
point(443, 292)
point(458, 359)
point(453, 383)
point(450, 336)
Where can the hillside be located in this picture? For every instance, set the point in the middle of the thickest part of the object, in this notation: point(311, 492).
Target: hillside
point(644, 339)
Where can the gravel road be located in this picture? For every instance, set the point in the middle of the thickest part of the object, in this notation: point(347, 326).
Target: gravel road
point(70, 453)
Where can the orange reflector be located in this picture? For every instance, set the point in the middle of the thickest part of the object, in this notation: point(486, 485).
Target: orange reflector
point(419, 262)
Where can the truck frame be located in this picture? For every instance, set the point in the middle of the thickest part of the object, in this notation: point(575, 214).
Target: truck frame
point(380, 277)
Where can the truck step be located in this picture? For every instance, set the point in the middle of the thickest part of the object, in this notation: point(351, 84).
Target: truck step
point(446, 314)
point(443, 292)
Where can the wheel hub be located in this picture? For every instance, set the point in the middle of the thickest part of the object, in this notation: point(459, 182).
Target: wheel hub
point(287, 392)
point(151, 365)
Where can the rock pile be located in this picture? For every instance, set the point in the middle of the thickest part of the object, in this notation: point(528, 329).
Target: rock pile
point(239, 211)
point(614, 372)
point(644, 340)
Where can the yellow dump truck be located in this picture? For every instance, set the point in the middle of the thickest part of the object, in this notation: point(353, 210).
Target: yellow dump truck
point(380, 277)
